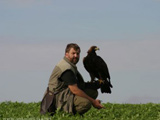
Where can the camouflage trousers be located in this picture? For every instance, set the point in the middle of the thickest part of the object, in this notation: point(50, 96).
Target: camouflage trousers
point(82, 105)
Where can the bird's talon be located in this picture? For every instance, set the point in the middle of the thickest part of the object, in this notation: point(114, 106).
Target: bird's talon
point(101, 81)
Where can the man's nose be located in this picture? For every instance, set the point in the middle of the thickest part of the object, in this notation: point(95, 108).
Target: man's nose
point(75, 55)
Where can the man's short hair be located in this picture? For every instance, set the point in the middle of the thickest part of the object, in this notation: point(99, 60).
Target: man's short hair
point(72, 45)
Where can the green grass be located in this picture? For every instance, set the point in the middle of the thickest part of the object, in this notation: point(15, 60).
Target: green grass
point(30, 111)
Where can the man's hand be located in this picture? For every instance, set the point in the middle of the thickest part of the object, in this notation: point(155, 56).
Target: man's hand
point(97, 104)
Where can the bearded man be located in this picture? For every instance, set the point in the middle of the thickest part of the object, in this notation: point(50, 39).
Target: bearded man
point(67, 90)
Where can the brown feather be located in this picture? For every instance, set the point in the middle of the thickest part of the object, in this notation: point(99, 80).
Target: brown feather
point(97, 68)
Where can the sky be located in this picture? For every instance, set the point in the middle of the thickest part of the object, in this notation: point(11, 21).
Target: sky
point(34, 34)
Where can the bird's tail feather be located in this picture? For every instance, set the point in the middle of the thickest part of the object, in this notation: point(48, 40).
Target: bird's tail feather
point(106, 87)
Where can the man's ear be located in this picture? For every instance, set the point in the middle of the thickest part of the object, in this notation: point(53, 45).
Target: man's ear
point(66, 54)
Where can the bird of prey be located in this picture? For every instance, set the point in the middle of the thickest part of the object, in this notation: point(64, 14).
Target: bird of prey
point(97, 68)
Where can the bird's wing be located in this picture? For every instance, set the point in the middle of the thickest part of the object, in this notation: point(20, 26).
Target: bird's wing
point(101, 67)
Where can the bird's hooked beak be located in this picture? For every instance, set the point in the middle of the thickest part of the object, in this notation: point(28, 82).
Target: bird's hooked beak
point(97, 48)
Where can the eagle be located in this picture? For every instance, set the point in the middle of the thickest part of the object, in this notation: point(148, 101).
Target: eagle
point(97, 68)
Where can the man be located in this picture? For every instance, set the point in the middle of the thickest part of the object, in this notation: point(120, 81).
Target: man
point(67, 89)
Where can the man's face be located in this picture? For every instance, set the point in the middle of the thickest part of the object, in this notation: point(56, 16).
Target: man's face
point(73, 55)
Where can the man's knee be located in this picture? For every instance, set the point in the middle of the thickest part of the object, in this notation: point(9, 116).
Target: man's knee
point(92, 93)
point(81, 104)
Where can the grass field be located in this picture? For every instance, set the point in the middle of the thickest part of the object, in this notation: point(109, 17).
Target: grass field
point(30, 111)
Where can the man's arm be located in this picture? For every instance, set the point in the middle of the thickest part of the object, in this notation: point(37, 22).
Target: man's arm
point(75, 90)
point(70, 80)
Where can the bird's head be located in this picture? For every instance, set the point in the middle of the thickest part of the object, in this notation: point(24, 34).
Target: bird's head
point(93, 49)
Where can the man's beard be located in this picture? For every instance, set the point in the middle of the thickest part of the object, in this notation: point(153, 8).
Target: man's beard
point(75, 60)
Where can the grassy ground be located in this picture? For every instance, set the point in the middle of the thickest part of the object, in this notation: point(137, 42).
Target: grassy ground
point(30, 111)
